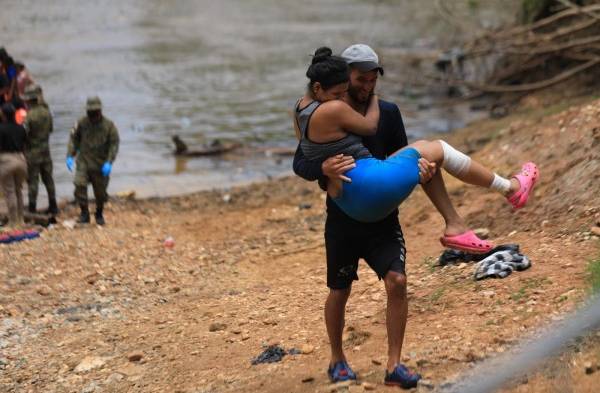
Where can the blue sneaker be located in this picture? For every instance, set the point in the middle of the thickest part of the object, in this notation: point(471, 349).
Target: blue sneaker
point(401, 377)
point(340, 372)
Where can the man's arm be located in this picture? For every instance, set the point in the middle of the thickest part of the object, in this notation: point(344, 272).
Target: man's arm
point(51, 122)
point(113, 143)
point(332, 168)
point(74, 139)
point(306, 169)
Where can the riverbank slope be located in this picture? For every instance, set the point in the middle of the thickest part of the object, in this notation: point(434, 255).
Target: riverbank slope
point(112, 309)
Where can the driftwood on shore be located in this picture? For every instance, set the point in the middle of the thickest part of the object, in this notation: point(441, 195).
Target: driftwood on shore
point(213, 149)
point(526, 57)
point(33, 218)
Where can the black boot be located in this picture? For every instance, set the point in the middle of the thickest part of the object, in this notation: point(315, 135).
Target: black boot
point(99, 216)
point(52, 207)
point(84, 217)
point(32, 207)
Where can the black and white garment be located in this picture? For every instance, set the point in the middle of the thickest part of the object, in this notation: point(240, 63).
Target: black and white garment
point(450, 256)
point(501, 264)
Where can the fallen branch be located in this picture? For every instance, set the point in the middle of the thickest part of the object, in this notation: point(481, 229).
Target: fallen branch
point(530, 86)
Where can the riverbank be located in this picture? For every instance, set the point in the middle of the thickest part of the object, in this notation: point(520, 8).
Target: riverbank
point(112, 309)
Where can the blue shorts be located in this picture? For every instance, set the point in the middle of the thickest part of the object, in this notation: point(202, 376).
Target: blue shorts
point(379, 186)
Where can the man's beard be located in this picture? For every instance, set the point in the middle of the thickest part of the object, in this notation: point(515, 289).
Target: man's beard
point(357, 96)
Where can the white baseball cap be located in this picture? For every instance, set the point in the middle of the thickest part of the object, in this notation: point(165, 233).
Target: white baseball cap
point(362, 57)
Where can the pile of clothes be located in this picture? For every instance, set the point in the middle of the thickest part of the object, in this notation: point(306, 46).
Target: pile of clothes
point(499, 262)
point(17, 236)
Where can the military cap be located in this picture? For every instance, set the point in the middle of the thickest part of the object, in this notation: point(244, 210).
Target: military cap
point(93, 104)
point(32, 92)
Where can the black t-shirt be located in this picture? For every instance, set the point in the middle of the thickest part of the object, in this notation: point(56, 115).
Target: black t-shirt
point(390, 137)
point(12, 138)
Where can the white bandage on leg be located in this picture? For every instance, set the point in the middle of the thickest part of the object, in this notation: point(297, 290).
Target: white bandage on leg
point(455, 162)
point(500, 184)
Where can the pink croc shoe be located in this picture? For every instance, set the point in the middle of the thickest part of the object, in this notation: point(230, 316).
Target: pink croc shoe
point(527, 178)
point(468, 242)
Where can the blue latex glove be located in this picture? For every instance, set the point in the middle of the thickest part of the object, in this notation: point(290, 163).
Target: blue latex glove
point(106, 168)
point(70, 163)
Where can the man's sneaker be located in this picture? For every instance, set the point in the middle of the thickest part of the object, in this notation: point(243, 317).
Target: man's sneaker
point(341, 371)
point(84, 217)
point(401, 377)
point(99, 218)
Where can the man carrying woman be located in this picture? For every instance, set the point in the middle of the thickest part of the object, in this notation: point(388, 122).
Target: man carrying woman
point(339, 115)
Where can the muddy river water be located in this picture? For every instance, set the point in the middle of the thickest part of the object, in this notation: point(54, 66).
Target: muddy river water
point(202, 69)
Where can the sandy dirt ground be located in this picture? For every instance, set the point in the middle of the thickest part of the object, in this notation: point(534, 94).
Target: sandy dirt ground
point(111, 309)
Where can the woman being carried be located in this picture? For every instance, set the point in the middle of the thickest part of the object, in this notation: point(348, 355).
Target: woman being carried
point(326, 126)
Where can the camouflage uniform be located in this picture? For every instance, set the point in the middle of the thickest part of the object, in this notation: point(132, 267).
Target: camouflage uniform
point(37, 150)
point(93, 144)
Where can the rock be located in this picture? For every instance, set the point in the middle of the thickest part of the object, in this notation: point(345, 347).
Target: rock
point(304, 206)
point(482, 233)
point(69, 224)
point(132, 371)
point(43, 290)
point(422, 362)
point(369, 386)
point(92, 278)
point(489, 294)
point(216, 326)
point(130, 194)
point(91, 388)
point(89, 363)
point(595, 231)
point(376, 362)
point(113, 378)
point(135, 356)
point(306, 349)
point(245, 336)
point(340, 386)
point(589, 367)
point(426, 383)
point(355, 389)
point(472, 356)
point(308, 379)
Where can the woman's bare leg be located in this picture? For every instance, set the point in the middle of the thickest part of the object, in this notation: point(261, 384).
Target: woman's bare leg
point(474, 173)
point(436, 192)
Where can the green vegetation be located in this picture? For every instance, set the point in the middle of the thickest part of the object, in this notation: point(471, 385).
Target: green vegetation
point(532, 10)
point(430, 262)
point(436, 295)
point(593, 270)
point(520, 294)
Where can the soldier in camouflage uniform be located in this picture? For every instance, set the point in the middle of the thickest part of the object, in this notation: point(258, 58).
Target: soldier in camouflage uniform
point(37, 151)
point(95, 141)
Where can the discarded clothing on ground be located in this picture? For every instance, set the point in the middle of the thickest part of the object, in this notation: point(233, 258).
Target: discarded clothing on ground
point(501, 264)
point(450, 256)
point(273, 353)
point(17, 236)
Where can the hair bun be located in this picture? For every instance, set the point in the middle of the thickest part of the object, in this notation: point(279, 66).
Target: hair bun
point(321, 54)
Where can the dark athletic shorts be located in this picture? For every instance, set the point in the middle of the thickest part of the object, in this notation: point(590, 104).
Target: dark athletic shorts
point(381, 247)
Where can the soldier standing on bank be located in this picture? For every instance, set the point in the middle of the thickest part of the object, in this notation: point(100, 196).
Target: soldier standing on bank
point(37, 149)
point(95, 141)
